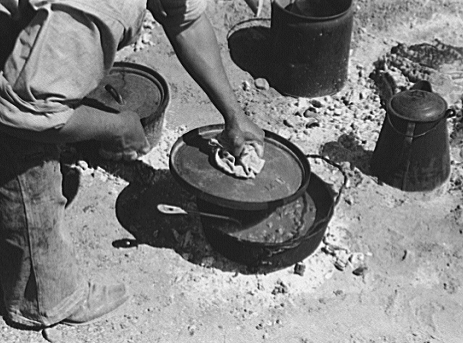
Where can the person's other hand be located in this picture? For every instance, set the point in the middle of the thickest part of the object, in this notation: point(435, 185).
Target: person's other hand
point(242, 131)
point(130, 142)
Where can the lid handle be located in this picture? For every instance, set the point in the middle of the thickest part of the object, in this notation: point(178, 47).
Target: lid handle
point(114, 93)
point(422, 85)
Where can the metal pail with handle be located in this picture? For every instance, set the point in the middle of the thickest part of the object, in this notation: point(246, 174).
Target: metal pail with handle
point(310, 46)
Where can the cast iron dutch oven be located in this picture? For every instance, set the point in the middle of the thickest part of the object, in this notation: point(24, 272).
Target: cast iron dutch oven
point(138, 88)
point(284, 211)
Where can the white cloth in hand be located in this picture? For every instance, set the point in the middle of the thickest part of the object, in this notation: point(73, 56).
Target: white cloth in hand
point(246, 166)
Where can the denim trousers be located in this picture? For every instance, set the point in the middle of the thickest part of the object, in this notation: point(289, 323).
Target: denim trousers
point(39, 276)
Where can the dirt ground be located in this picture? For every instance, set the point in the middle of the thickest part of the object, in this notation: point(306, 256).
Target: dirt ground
point(390, 267)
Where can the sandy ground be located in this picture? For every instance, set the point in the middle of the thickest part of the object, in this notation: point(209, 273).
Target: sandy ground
point(409, 245)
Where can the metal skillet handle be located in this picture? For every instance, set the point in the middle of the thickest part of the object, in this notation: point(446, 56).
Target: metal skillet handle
point(171, 209)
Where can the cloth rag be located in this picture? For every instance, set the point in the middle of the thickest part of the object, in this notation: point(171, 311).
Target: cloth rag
point(246, 166)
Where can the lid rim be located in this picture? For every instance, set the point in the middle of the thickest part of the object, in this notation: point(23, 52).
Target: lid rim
point(234, 203)
point(434, 111)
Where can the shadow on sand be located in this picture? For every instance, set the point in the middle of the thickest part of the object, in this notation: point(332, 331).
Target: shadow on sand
point(250, 47)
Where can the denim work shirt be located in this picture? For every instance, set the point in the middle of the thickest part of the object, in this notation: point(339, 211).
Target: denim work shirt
point(66, 49)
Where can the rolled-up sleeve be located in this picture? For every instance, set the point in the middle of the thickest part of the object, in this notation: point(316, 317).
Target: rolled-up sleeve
point(60, 57)
point(178, 13)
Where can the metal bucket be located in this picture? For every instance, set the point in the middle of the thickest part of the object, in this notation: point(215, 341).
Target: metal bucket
point(310, 50)
point(412, 151)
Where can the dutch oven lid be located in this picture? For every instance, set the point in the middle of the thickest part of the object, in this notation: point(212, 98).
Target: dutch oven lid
point(418, 105)
point(130, 86)
point(284, 178)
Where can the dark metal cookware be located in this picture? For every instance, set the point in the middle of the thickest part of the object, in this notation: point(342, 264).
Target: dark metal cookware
point(283, 179)
point(274, 228)
point(138, 88)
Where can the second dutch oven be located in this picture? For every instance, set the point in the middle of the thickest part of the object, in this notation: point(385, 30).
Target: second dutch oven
point(138, 88)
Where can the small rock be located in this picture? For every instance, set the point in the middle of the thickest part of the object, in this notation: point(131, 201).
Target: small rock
point(246, 86)
point(312, 122)
point(342, 259)
point(349, 200)
point(337, 112)
point(148, 25)
point(280, 288)
point(302, 102)
point(299, 269)
point(319, 103)
point(310, 112)
point(261, 84)
point(359, 271)
point(340, 265)
point(356, 258)
point(289, 123)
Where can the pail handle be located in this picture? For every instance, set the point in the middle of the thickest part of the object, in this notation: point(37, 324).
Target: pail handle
point(296, 241)
point(448, 114)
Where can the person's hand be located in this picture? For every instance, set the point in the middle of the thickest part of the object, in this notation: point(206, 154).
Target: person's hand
point(130, 142)
point(241, 131)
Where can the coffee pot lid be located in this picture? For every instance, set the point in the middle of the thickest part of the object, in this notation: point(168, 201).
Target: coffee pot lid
point(417, 105)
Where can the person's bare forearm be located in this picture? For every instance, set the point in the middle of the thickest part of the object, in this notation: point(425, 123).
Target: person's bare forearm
point(198, 51)
point(121, 134)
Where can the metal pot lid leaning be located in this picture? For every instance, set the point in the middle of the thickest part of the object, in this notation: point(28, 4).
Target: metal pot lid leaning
point(283, 179)
point(134, 87)
point(417, 105)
